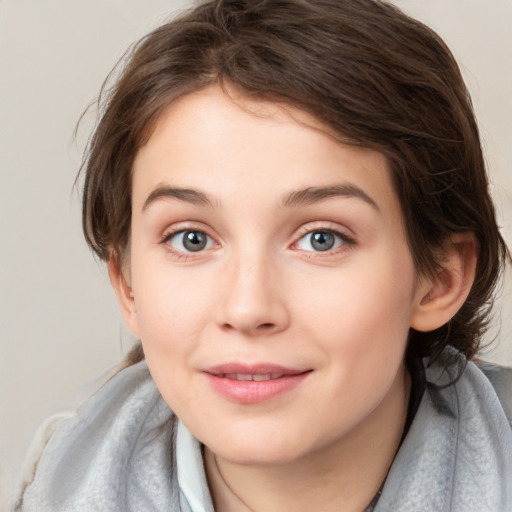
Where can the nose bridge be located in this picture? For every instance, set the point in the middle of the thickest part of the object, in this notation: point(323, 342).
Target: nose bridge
point(253, 300)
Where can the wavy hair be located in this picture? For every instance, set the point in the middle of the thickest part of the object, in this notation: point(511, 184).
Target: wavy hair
point(375, 76)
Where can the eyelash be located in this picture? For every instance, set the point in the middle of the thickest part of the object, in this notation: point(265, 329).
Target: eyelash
point(184, 255)
point(346, 241)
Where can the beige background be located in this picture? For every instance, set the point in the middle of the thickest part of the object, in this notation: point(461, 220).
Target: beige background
point(59, 323)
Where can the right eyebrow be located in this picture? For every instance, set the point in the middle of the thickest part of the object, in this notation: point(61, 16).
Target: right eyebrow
point(183, 194)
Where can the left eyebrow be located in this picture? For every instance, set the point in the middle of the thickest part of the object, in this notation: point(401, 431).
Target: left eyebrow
point(313, 195)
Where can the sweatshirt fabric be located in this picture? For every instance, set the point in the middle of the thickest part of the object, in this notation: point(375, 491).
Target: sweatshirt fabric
point(124, 450)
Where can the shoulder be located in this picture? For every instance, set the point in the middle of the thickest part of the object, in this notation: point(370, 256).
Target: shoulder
point(473, 385)
point(457, 454)
point(501, 379)
point(122, 435)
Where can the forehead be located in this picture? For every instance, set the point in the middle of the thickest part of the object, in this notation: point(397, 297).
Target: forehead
point(235, 146)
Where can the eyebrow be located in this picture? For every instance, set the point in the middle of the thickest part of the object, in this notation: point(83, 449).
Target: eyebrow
point(297, 198)
point(313, 195)
point(183, 194)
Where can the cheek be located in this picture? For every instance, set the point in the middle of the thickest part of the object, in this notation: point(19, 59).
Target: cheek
point(361, 325)
point(363, 311)
point(170, 313)
point(170, 304)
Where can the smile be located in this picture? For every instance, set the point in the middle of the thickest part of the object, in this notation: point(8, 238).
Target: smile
point(253, 384)
point(259, 377)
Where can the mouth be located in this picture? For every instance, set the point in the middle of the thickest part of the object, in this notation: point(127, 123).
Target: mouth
point(252, 384)
point(257, 377)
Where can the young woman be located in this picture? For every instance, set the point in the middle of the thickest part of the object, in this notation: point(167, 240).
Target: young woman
point(293, 205)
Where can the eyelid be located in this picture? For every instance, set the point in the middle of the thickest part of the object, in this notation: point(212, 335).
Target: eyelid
point(172, 231)
point(173, 236)
point(348, 239)
point(179, 227)
point(324, 226)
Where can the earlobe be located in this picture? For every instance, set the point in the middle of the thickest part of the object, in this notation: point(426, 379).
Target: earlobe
point(124, 293)
point(442, 295)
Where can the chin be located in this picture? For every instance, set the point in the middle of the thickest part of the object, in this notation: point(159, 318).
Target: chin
point(273, 447)
point(259, 456)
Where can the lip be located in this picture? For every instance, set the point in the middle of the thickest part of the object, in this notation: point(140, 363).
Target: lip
point(277, 380)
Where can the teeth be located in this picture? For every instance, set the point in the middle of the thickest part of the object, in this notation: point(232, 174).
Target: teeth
point(261, 377)
point(256, 377)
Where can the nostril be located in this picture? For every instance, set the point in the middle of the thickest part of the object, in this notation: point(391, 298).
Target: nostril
point(266, 326)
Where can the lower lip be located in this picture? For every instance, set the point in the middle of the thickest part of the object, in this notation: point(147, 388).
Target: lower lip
point(254, 392)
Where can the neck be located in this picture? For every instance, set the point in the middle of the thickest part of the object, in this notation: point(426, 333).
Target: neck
point(345, 475)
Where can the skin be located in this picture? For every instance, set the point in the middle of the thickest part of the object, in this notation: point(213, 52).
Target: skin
point(260, 292)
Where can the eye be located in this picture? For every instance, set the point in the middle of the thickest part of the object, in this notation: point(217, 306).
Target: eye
point(320, 241)
point(189, 241)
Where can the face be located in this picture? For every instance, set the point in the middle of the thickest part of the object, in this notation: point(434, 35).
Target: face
point(272, 283)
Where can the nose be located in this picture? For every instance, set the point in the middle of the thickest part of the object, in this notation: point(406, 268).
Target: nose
point(253, 299)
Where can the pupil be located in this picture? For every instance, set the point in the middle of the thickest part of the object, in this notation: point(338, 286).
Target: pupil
point(194, 241)
point(322, 241)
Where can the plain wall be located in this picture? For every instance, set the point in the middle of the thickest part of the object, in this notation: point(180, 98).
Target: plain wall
point(59, 322)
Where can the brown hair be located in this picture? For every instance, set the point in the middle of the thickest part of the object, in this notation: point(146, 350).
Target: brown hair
point(377, 77)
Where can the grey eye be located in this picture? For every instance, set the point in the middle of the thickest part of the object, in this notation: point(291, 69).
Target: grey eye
point(191, 241)
point(320, 241)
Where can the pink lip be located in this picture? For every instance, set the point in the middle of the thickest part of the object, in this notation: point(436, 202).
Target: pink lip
point(222, 379)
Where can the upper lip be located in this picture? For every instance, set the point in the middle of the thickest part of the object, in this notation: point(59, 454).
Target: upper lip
point(253, 369)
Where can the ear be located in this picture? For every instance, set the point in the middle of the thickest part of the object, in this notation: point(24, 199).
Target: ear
point(120, 280)
point(440, 297)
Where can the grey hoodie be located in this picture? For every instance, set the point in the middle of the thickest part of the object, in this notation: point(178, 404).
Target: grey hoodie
point(124, 450)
